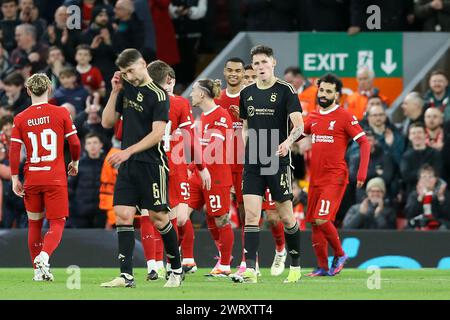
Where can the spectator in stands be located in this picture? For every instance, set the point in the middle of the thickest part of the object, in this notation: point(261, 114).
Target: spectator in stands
point(439, 93)
point(435, 14)
point(428, 206)
point(108, 179)
point(86, 6)
point(56, 62)
point(388, 136)
point(374, 212)
point(9, 23)
point(307, 92)
point(7, 217)
point(29, 13)
point(59, 35)
point(328, 15)
point(413, 109)
point(91, 77)
point(84, 188)
point(416, 156)
point(263, 15)
point(6, 124)
point(446, 152)
point(381, 164)
point(142, 10)
point(4, 63)
point(28, 47)
point(129, 30)
point(187, 17)
point(166, 42)
point(98, 36)
point(89, 120)
point(434, 120)
point(70, 90)
point(356, 103)
point(15, 97)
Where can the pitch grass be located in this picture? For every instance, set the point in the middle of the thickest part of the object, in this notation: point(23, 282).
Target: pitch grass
point(350, 284)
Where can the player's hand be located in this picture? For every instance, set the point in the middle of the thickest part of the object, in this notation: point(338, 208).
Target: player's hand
point(359, 184)
point(119, 157)
point(206, 179)
point(116, 82)
point(235, 110)
point(18, 188)
point(72, 168)
point(283, 149)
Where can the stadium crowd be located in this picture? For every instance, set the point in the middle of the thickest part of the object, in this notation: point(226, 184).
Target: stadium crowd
point(409, 169)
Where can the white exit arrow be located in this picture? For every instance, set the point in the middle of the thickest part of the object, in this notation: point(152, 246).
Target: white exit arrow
point(388, 66)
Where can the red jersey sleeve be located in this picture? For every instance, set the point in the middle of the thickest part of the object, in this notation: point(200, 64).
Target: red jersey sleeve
point(186, 116)
point(352, 127)
point(16, 145)
point(69, 127)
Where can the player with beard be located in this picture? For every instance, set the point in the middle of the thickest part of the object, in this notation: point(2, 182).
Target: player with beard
point(331, 128)
point(143, 173)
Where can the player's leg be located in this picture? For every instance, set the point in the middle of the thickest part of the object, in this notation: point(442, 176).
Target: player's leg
point(277, 229)
point(318, 240)
point(126, 197)
point(217, 207)
point(187, 237)
point(253, 187)
point(148, 243)
point(237, 190)
point(328, 205)
point(280, 186)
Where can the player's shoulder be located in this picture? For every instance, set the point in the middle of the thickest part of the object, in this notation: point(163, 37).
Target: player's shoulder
point(286, 86)
point(248, 89)
point(154, 89)
point(345, 114)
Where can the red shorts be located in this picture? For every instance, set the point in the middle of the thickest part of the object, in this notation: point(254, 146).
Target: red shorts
point(237, 185)
point(217, 199)
point(178, 186)
point(268, 204)
point(324, 202)
point(54, 199)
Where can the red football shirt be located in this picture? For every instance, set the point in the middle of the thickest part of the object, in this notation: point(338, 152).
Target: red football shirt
point(330, 132)
point(92, 78)
point(228, 102)
point(215, 138)
point(42, 128)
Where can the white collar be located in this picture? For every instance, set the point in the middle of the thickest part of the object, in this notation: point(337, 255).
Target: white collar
point(39, 103)
point(329, 111)
point(229, 95)
point(211, 111)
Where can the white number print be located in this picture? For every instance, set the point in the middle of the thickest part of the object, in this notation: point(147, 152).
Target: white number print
point(48, 142)
point(324, 207)
point(185, 190)
point(214, 202)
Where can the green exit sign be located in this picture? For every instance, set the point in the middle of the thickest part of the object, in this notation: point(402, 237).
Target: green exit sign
point(342, 54)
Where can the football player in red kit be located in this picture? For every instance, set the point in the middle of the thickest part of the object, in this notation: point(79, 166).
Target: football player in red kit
point(42, 128)
point(215, 135)
point(331, 128)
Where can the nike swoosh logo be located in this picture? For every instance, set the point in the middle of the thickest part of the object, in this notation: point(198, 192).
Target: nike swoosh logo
point(313, 124)
point(322, 214)
point(215, 210)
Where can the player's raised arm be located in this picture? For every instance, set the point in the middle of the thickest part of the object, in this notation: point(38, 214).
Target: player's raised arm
point(110, 115)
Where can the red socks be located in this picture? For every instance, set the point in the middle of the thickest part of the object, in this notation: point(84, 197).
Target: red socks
point(34, 238)
point(330, 232)
point(147, 238)
point(213, 230)
point(243, 242)
point(278, 236)
point(226, 237)
point(53, 236)
point(320, 246)
point(187, 241)
point(159, 245)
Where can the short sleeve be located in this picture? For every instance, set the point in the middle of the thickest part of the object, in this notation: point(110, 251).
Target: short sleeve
point(16, 135)
point(161, 110)
point(69, 127)
point(242, 108)
point(119, 102)
point(352, 127)
point(185, 116)
point(293, 102)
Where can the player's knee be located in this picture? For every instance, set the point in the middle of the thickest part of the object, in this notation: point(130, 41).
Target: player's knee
point(159, 219)
point(222, 221)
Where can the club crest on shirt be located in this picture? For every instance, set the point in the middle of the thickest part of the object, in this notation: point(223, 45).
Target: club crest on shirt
point(273, 97)
point(332, 123)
